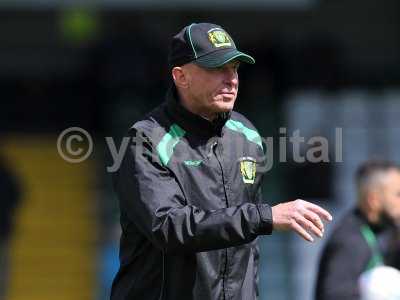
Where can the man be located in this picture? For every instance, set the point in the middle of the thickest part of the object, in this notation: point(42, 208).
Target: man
point(367, 236)
point(189, 186)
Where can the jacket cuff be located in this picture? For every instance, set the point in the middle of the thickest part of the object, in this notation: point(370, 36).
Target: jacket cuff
point(266, 222)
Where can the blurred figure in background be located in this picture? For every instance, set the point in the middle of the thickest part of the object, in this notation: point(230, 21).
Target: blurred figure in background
point(367, 237)
point(9, 198)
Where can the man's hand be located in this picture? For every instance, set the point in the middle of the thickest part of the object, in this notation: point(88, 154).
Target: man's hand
point(301, 216)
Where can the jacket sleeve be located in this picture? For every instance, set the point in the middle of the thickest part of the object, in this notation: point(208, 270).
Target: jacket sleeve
point(152, 199)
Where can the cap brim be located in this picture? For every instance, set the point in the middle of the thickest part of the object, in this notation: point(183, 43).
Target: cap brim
point(219, 58)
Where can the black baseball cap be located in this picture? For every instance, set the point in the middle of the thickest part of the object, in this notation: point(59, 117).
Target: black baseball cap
point(208, 45)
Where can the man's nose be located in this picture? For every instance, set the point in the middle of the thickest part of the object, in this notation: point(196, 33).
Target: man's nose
point(231, 76)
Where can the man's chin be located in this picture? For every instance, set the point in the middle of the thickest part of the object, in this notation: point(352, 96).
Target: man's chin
point(225, 105)
point(224, 108)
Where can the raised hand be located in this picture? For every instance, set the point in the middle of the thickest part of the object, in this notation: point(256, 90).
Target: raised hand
point(301, 216)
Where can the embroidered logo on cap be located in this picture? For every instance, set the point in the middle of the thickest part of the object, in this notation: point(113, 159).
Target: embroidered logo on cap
point(219, 38)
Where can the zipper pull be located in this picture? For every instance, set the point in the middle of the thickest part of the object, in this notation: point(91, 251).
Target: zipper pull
point(213, 145)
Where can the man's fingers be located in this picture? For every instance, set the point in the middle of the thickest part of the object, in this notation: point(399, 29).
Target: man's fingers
point(302, 232)
point(310, 227)
point(315, 219)
point(320, 211)
point(303, 217)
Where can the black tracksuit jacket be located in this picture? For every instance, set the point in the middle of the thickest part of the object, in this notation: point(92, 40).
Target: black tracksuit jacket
point(190, 216)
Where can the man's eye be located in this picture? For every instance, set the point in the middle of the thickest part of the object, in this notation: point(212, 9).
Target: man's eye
point(236, 67)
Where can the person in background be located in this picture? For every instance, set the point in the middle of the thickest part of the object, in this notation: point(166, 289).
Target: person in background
point(9, 198)
point(367, 237)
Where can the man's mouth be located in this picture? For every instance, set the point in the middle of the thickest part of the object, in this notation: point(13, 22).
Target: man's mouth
point(227, 93)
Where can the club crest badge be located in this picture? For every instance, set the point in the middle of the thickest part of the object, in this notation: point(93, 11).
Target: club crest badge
point(248, 169)
point(219, 38)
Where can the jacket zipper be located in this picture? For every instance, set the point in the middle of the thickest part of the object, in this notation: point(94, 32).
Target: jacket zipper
point(214, 149)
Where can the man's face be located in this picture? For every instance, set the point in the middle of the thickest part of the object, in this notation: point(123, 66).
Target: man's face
point(391, 195)
point(212, 90)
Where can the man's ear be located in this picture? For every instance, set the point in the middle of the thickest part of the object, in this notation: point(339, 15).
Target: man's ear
point(180, 77)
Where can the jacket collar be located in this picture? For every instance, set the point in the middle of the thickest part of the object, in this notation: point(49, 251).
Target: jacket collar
point(378, 227)
point(191, 122)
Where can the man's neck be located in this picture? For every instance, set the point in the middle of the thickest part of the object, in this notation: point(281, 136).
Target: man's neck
point(185, 102)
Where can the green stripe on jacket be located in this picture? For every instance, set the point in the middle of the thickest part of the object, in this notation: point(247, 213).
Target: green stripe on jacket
point(167, 144)
point(250, 134)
